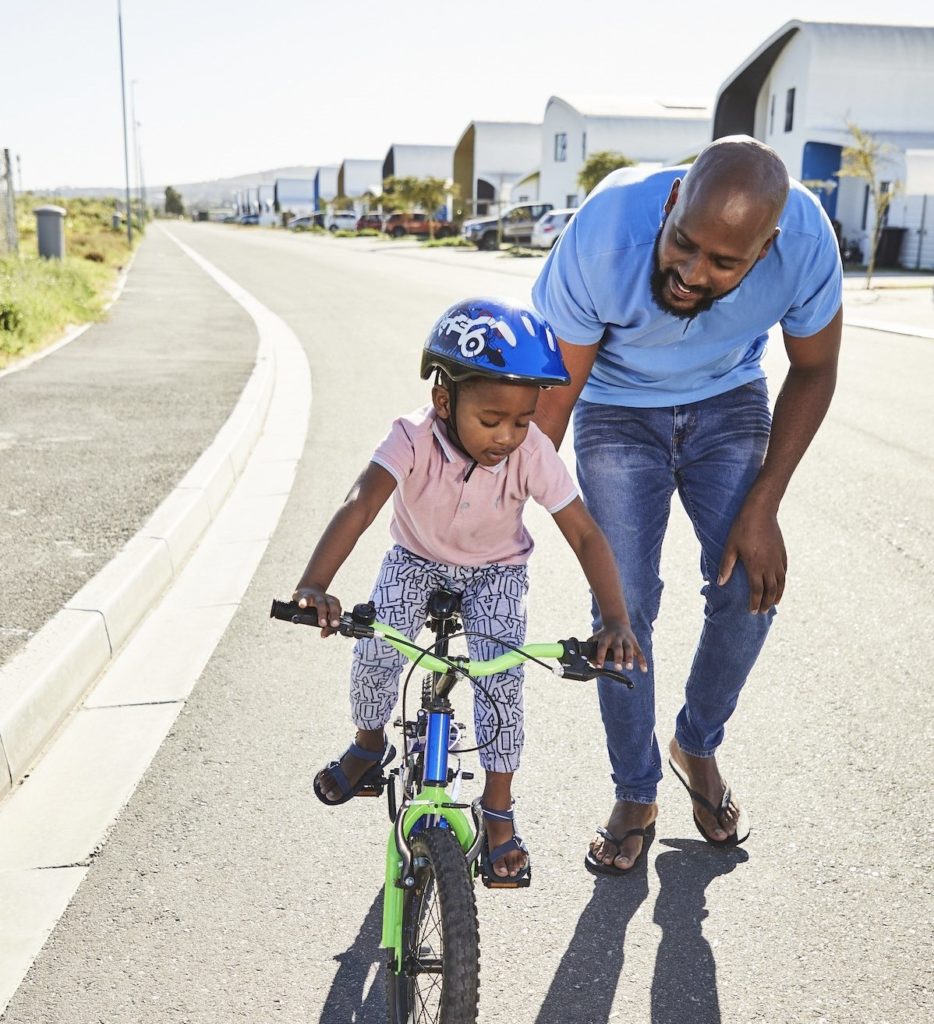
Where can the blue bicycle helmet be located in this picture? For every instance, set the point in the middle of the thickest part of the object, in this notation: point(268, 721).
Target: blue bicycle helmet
point(497, 339)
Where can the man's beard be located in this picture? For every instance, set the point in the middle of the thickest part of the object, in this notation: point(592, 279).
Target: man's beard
point(659, 278)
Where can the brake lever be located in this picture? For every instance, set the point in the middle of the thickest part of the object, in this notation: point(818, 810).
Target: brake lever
point(576, 666)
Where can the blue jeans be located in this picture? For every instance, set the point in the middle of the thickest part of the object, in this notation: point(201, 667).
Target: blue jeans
point(629, 463)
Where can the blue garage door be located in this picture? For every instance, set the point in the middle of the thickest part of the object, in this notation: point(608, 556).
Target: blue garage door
point(821, 162)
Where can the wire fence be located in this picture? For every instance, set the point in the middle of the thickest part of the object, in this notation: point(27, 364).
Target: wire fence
point(9, 242)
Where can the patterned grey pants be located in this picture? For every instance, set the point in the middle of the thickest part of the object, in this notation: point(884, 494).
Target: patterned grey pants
point(492, 602)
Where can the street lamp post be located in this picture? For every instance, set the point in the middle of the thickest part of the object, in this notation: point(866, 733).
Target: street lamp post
point(137, 153)
point(126, 152)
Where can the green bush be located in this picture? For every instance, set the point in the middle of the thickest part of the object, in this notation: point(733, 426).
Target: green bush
point(40, 298)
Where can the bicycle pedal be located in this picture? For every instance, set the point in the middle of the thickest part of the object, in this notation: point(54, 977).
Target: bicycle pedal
point(508, 883)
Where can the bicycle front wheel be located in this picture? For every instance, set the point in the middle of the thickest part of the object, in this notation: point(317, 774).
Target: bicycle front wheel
point(440, 977)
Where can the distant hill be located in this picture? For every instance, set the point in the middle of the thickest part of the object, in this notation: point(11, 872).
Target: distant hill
point(219, 192)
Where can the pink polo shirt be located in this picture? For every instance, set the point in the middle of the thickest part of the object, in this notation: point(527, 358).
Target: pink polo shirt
point(439, 516)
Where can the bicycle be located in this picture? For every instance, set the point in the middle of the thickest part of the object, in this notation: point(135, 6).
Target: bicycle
point(430, 922)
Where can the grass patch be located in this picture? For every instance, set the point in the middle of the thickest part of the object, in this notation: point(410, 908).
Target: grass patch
point(453, 242)
point(523, 252)
point(40, 298)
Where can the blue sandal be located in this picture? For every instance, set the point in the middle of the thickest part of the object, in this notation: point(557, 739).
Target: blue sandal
point(489, 857)
point(370, 783)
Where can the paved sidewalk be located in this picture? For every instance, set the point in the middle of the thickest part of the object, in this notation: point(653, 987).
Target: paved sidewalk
point(93, 437)
point(901, 302)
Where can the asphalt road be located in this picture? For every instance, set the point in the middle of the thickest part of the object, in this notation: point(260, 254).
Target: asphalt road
point(226, 892)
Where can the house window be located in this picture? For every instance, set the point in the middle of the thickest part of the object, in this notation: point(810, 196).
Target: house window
point(561, 147)
point(772, 115)
point(571, 200)
point(584, 146)
point(789, 110)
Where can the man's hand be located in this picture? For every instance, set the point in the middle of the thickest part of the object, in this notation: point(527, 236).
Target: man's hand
point(755, 539)
point(617, 643)
point(327, 606)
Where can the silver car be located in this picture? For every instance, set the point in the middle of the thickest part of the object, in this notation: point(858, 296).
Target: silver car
point(547, 228)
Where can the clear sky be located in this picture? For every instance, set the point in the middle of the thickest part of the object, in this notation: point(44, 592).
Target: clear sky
point(228, 87)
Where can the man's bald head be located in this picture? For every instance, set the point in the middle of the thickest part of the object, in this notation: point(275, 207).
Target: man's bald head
point(719, 222)
point(738, 178)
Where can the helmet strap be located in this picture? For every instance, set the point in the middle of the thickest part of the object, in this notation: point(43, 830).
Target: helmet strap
point(444, 381)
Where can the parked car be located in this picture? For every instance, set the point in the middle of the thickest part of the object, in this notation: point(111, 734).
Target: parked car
point(249, 218)
point(546, 230)
point(517, 220)
point(399, 224)
point(370, 222)
point(301, 223)
point(341, 220)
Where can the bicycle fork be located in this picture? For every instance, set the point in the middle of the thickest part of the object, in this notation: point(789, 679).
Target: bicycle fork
point(431, 806)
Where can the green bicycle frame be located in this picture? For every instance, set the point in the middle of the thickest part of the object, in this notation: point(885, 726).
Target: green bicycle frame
point(434, 800)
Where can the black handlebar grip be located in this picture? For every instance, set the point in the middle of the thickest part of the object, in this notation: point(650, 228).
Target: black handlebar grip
point(588, 649)
point(289, 611)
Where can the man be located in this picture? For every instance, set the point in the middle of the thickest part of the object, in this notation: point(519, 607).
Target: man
point(662, 291)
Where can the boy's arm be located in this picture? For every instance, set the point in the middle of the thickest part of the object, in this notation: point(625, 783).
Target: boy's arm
point(361, 506)
point(595, 555)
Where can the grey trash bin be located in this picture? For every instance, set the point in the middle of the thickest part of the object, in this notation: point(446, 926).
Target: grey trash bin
point(890, 247)
point(50, 231)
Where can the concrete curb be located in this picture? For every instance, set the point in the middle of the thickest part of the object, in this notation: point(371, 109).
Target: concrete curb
point(889, 327)
point(46, 681)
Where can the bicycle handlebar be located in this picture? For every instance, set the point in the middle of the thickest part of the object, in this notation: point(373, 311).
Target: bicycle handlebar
point(573, 655)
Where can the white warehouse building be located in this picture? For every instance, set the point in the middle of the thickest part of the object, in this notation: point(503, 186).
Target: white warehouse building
point(490, 158)
point(357, 177)
point(802, 86)
point(403, 161)
point(645, 131)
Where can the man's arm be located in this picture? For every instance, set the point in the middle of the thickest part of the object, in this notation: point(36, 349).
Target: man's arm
point(554, 406)
point(755, 537)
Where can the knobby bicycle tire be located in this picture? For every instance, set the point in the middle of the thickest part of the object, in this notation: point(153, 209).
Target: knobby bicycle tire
point(440, 978)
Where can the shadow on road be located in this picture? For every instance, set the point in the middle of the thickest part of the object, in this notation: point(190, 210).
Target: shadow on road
point(349, 998)
point(583, 987)
point(684, 986)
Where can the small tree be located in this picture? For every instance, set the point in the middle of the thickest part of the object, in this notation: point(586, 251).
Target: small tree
point(598, 166)
point(431, 194)
point(427, 193)
point(864, 159)
point(174, 207)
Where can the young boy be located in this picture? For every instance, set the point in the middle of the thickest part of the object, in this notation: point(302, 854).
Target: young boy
point(460, 472)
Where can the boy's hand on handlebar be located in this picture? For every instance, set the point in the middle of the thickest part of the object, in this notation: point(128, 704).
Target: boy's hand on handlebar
point(326, 605)
point(617, 645)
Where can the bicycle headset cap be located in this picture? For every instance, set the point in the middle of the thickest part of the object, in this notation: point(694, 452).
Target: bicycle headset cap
point(497, 339)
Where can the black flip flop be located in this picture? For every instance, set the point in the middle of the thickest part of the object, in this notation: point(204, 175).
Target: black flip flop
point(743, 828)
point(597, 867)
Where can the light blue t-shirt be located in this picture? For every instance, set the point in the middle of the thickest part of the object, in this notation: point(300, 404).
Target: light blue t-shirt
point(595, 286)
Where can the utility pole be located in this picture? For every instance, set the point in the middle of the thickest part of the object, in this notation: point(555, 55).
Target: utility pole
point(139, 187)
point(142, 184)
point(9, 201)
point(126, 153)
